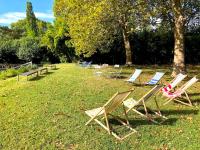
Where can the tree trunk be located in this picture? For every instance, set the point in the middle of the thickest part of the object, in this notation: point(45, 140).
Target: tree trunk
point(127, 48)
point(179, 51)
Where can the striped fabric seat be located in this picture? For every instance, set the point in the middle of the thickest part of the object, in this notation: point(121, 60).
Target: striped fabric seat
point(156, 78)
point(179, 92)
point(174, 82)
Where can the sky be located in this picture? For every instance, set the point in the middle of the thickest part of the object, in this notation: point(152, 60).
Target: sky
point(13, 10)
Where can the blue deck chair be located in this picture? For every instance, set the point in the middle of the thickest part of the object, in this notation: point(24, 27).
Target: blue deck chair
point(156, 78)
point(134, 76)
point(86, 64)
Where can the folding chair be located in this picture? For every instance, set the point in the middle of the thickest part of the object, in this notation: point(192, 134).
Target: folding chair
point(135, 75)
point(116, 66)
point(179, 92)
point(134, 105)
point(86, 64)
point(106, 110)
point(174, 82)
point(156, 78)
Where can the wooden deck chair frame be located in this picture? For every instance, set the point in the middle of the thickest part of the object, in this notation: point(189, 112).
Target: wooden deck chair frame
point(142, 103)
point(106, 110)
point(184, 91)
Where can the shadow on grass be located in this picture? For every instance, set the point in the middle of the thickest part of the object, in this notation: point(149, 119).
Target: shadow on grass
point(194, 94)
point(180, 112)
point(115, 77)
point(40, 76)
point(141, 122)
point(54, 69)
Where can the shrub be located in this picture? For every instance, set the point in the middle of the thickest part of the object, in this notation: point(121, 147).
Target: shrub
point(23, 69)
point(8, 51)
point(3, 75)
point(29, 49)
point(11, 72)
point(34, 66)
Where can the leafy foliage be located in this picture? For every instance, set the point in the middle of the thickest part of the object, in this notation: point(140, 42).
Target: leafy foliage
point(31, 25)
point(29, 48)
point(8, 51)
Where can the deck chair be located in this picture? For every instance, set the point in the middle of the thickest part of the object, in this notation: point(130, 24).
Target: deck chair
point(174, 82)
point(86, 64)
point(134, 105)
point(179, 92)
point(156, 78)
point(135, 75)
point(105, 111)
point(116, 66)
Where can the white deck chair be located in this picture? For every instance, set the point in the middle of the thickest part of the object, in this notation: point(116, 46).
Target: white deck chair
point(156, 78)
point(133, 104)
point(135, 75)
point(102, 113)
point(179, 92)
point(174, 82)
point(116, 66)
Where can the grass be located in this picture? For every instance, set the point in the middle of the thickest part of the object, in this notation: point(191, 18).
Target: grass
point(13, 72)
point(48, 113)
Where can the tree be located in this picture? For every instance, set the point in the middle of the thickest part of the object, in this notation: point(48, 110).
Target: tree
point(20, 27)
point(29, 49)
point(94, 24)
point(8, 51)
point(179, 51)
point(31, 25)
point(177, 16)
point(7, 33)
point(57, 40)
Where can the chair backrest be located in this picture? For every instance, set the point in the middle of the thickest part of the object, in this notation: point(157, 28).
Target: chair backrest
point(156, 78)
point(89, 63)
point(105, 65)
point(116, 100)
point(177, 80)
point(150, 93)
point(188, 84)
point(135, 75)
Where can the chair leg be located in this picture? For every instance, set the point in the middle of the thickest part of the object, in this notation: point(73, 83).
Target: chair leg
point(145, 108)
point(187, 97)
point(158, 108)
point(159, 112)
point(107, 123)
point(124, 109)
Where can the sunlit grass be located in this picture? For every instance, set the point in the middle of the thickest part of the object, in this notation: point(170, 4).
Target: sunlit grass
point(48, 112)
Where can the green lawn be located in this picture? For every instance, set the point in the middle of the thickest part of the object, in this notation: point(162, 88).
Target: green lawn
point(48, 113)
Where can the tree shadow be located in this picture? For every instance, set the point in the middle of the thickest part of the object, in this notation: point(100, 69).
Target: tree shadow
point(54, 68)
point(179, 112)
